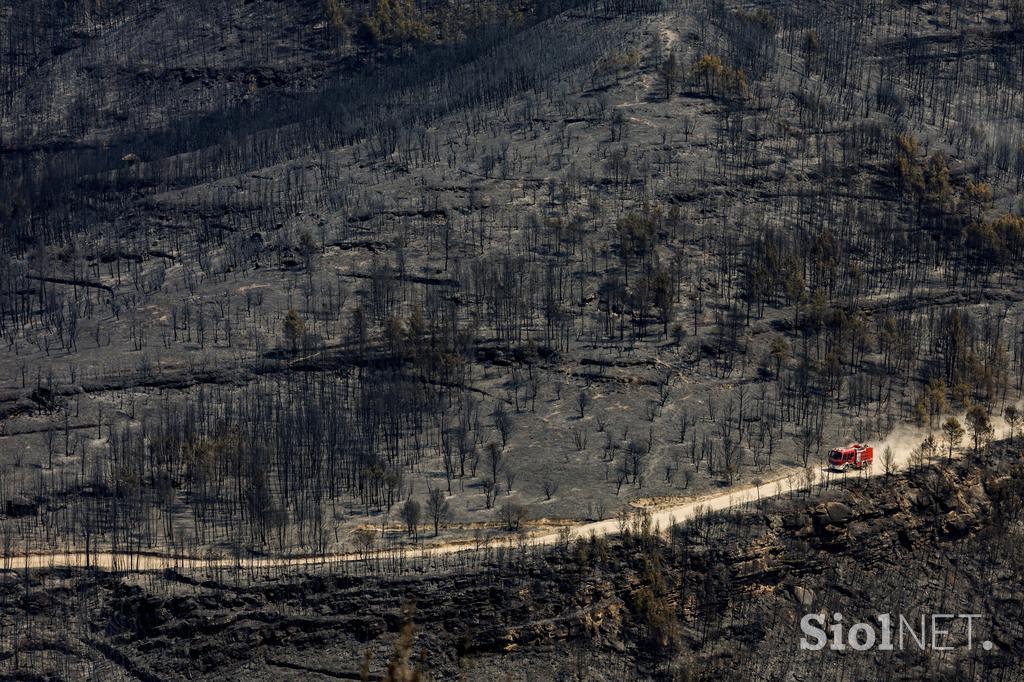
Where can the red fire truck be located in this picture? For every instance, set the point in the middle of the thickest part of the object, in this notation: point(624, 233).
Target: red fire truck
point(853, 456)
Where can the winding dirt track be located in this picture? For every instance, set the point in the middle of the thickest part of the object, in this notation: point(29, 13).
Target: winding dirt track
point(902, 440)
point(135, 562)
point(111, 561)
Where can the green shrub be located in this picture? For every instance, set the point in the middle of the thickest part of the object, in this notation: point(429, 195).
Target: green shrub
point(397, 22)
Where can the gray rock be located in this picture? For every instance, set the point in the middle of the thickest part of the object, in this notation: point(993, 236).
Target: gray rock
point(803, 595)
point(838, 512)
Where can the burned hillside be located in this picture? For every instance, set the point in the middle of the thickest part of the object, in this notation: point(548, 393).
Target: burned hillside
point(321, 280)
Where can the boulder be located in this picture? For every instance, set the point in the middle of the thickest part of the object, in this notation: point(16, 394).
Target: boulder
point(803, 595)
point(838, 512)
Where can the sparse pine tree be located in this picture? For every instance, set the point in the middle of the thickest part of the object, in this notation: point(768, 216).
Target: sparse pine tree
point(294, 331)
point(1013, 417)
point(888, 461)
point(979, 424)
point(411, 515)
point(952, 433)
point(438, 508)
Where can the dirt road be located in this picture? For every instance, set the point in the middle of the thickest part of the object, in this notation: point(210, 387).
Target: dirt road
point(111, 561)
point(902, 440)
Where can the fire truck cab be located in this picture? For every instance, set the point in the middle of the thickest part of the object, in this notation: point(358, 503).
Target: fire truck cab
point(853, 456)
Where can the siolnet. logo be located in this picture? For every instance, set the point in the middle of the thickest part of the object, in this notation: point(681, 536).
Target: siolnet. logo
point(938, 632)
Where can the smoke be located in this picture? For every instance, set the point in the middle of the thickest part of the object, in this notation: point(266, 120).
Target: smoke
point(905, 438)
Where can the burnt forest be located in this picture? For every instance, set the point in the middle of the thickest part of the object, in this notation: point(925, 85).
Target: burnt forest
point(577, 340)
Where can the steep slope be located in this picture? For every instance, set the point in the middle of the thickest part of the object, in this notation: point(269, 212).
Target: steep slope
point(581, 261)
